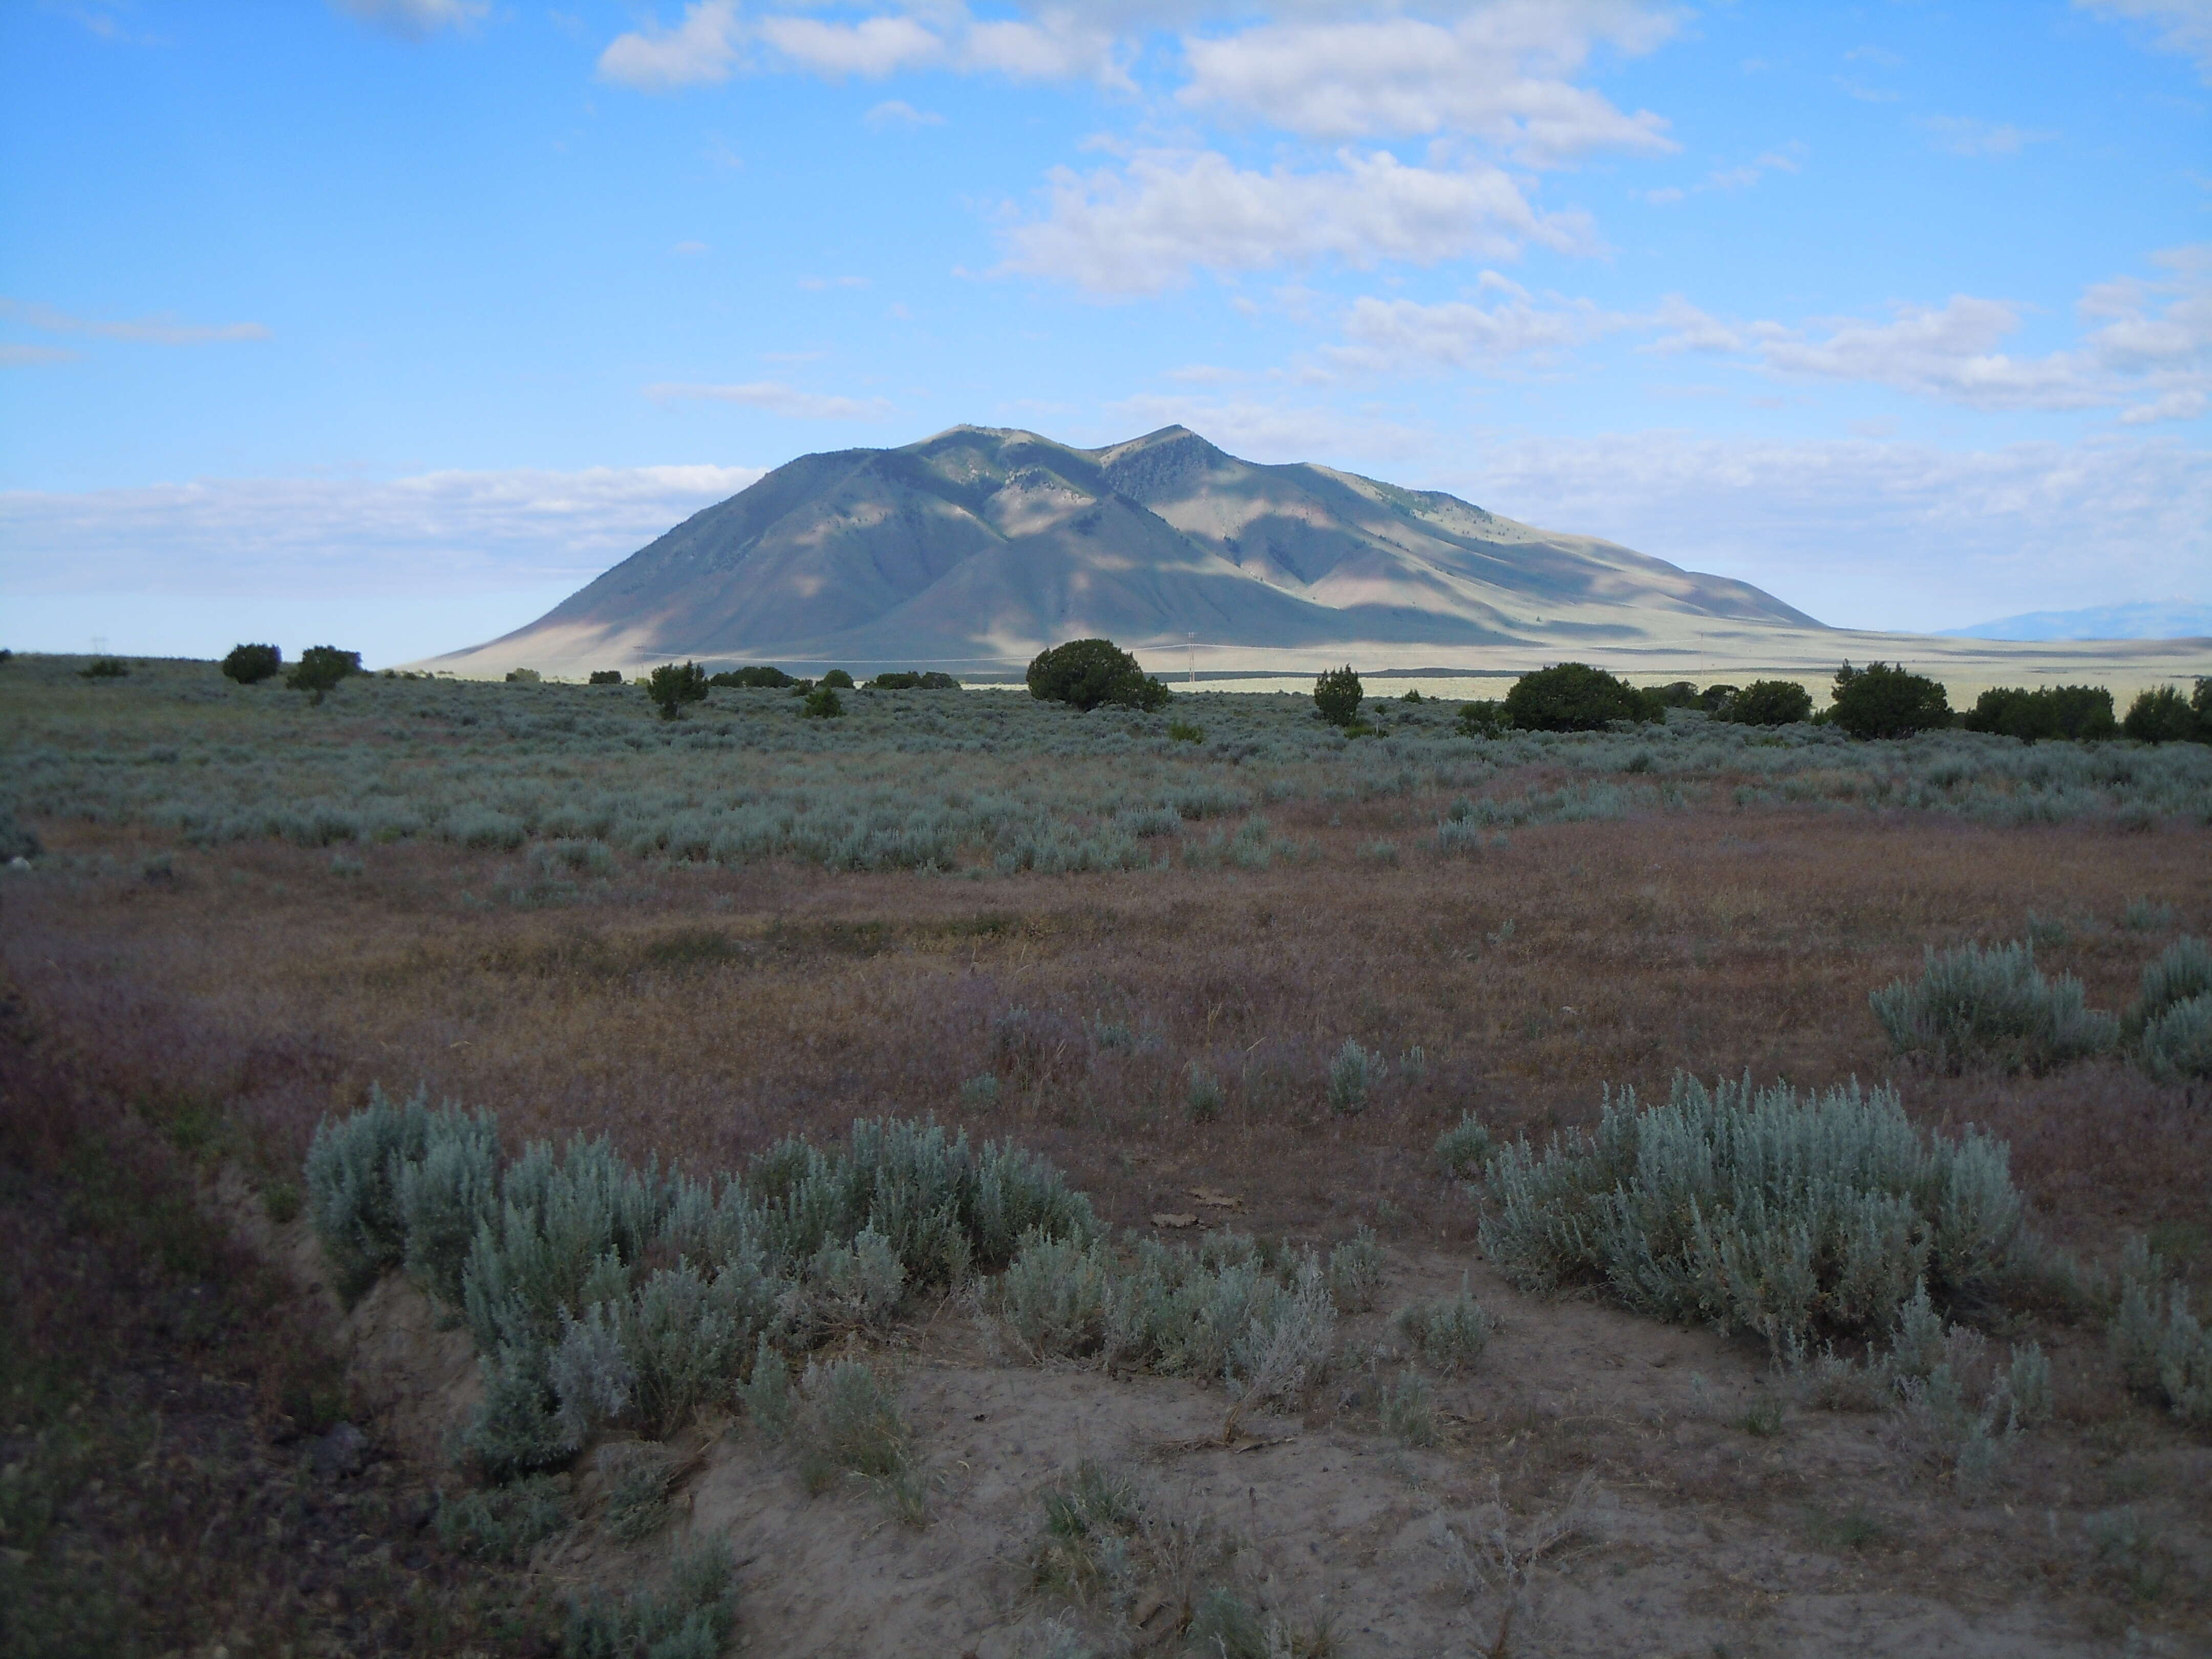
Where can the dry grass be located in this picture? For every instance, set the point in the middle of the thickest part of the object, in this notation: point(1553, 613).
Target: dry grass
point(710, 1010)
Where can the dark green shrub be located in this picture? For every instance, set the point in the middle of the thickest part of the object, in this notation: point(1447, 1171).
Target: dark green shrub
point(320, 668)
point(756, 678)
point(823, 703)
point(693, 1617)
point(504, 1523)
point(2161, 715)
point(671, 688)
point(1088, 673)
point(250, 665)
point(105, 668)
point(1572, 696)
point(1769, 702)
point(1184, 731)
point(606, 676)
point(839, 678)
point(1715, 699)
point(1337, 696)
point(524, 676)
point(2049, 711)
point(903, 680)
point(1676, 694)
point(1485, 717)
point(1882, 700)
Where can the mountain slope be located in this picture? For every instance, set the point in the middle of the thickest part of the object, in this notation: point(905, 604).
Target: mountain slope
point(981, 545)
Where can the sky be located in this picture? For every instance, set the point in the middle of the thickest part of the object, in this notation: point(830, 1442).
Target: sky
point(389, 323)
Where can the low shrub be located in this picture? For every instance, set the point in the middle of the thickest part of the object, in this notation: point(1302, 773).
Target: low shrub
point(1464, 1148)
point(1450, 1333)
point(2163, 1349)
point(758, 678)
point(320, 668)
point(1355, 1272)
point(671, 687)
point(848, 1423)
point(504, 1523)
point(823, 703)
point(250, 665)
point(1337, 696)
point(1090, 673)
point(105, 668)
point(838, 679)
point(1992, 1006)
point(605, 677)
point(2176, 1044)
point(1765, 1210)
point(1184, 731)
point(903, 681)
point(637, 1478)
point(1769, 702)
point(524, 676)
point(2182, 971)
point(1484, 717)
point(1407, 1410)
point(2049, 711)
point(17, 840)
point(692, 1616)
point(1054, 1296)
point(2161, 714)
point(1883, 700)
point(1573, 696)
point(599, 1293)
point(1352, 1073)
point(1202, 1096)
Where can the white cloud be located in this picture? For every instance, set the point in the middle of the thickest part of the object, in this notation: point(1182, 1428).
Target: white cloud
point(700, 51)
point(1064, 46)
point(775, 397)
point(689, 249)
point(14, 355)
point(438, 533)
point(1499, 74)
point(415, 20)
point(2184, 26)
point(897, 112)
point(1143, 227)
point(154, 330)
point(817, 285)
point(1874, 535)
point(1403, 336)
point(1962, 135)
point(871, 48)
point(2152, 339)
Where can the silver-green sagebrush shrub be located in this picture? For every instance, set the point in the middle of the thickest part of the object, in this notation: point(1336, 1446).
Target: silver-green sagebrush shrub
point(1407, 1409)
point(1450, 1333)
point(1992, 1006)
point(504, 1523)
point(2176, 1043)
point(445, 1196)
point(604, 1295)
point(2162, 1349)
point(693, 1616)
point(1355, 1272)
point(1053, 1296)
point(1768, 1210)
point(1352, 1073)
point(1464, 1148)
point(353, 1198)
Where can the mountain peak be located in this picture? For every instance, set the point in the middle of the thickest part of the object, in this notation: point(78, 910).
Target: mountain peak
point(981, 545)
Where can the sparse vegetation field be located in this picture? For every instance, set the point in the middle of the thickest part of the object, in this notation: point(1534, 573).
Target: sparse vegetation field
point(1371, 1303)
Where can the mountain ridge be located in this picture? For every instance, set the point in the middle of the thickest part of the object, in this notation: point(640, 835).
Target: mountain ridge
point(986, 544)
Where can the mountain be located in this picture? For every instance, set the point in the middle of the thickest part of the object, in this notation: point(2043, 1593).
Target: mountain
point(2163, 619)
point(978, 547)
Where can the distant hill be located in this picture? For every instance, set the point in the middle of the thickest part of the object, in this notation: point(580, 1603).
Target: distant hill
point(2160, 619)
point(978, 547)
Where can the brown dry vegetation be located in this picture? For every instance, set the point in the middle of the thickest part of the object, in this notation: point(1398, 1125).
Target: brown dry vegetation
point(710, 1012)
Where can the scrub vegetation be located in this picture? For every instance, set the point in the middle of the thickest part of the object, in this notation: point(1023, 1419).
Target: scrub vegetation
point(744, 1085)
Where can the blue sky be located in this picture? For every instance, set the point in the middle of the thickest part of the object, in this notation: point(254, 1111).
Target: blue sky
point(397, 319)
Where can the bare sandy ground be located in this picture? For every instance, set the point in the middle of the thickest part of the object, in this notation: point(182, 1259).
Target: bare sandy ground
point(1818, 1533)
